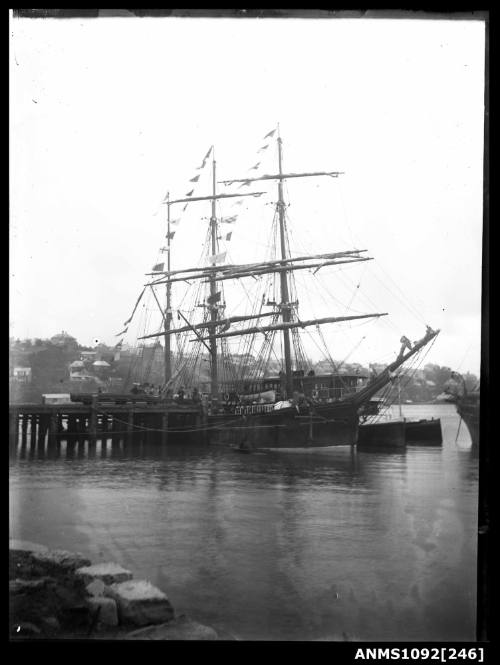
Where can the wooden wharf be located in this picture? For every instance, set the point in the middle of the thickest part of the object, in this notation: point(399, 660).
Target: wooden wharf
point(161, 422)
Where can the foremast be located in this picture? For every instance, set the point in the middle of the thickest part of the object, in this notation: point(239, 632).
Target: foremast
point(214, 312)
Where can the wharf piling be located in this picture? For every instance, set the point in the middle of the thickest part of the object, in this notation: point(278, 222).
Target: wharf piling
point(33, 427)
point(53, 428)
point(130, 422)
point(36, 427)
point(24, 428)
point(93, 420)
point(13, 430)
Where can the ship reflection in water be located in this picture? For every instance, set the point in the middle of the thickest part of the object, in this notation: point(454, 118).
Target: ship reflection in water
point(327, 545)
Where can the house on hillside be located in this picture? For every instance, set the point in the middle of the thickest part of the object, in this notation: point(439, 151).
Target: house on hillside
point(104, 352)
point(22, 374)
point(101, 368)
point(77, 370)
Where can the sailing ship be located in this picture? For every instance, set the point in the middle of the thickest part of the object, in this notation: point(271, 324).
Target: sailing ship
point(272, 404)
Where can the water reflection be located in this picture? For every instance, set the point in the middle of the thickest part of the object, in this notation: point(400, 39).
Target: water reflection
point(278, 545)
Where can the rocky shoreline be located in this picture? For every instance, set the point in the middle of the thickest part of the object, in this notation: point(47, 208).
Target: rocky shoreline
point(56, 595)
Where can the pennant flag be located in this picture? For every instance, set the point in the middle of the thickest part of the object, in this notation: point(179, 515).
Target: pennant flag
point(183, 210)
point(195, 179)
point(270, 134)
point(122, 332)
point(189, 193)
point(204, 160)
point(135, 307)
point(264, 147)
point(211, 300)
point(217, 258)
point(255, 167)
point(158, 267)
point(244, 184)
point(229, 220)
point(228, 235)
point(170, 235)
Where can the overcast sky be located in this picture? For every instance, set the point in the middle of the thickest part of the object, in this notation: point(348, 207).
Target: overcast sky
point(108, 114)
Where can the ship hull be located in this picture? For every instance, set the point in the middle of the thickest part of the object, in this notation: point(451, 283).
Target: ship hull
point(468, 409)
point(424, 432)
point(286, 428)
point(387, 435)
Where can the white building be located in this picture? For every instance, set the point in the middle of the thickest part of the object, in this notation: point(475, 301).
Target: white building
point(77, 370)
point(22, 374)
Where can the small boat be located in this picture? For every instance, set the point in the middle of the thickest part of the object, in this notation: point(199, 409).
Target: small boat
point(420, 432)
point(424, 432)
point(390, 434)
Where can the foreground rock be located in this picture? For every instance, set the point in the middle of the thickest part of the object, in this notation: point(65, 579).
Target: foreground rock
point(36, 596)
point(140, 603)
point(61, 559)
point(96, 588)
point(109, 573)
point(182, 628)
point(27, 586)
point(104, 610)
point(59, 595)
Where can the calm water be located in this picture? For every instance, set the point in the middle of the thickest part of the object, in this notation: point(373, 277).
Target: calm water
point(281, 545)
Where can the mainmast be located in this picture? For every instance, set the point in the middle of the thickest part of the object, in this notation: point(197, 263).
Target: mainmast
point(285, 305)
point(213, 290)
point(168, 312)
point(286, 313)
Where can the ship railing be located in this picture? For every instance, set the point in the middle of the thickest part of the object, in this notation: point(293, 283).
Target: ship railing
point(253, 409)
point(334, 394)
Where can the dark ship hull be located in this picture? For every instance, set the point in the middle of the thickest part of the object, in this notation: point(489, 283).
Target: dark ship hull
point(310, 425)
point(292, 427)
point(468, 410)
point(424, 432)
point(382, 435)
